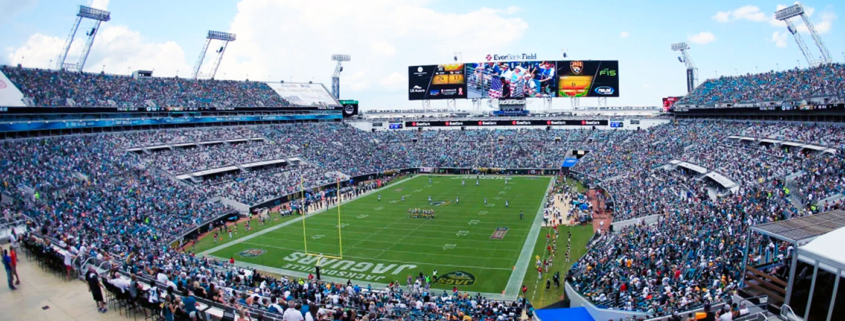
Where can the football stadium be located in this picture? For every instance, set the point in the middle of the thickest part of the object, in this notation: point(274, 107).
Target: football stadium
point(479, 164)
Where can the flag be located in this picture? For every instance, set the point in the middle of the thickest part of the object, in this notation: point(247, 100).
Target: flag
point(495, 88)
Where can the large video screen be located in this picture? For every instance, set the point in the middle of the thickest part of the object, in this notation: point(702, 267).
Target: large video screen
point(591, 78)
point(515, 79)
point(436, 82)
point(511, 79)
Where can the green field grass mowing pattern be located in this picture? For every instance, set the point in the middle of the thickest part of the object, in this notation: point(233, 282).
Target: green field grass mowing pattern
point(381, 243)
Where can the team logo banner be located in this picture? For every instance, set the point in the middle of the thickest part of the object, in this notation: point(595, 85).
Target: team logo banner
point(252, 252)
point(499, 233)
point(457, 278)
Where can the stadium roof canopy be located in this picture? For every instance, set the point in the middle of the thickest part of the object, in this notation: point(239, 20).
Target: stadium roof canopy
point(803, 229)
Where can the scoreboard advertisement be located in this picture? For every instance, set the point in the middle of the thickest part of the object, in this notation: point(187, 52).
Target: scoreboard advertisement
point(592, 78)
point(669, 103)
point(436, 82)
point(515, 79)
point(482, 123)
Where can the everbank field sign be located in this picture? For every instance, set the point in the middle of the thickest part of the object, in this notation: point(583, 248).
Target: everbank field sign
point(503, 57)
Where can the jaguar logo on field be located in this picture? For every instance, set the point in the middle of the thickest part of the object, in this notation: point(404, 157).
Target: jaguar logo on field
point(457, 278)
point(251, 252)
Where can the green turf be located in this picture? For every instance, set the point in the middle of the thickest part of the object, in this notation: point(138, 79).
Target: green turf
point(382, 244)
point(537, 293)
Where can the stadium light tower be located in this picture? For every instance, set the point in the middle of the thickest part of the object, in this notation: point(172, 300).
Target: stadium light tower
point(798, 10)
point(336, 75)
point(213, 35)
point(692, 69)
point(99, 16)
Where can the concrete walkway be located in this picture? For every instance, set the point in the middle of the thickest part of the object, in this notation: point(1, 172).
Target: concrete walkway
point(40, 289)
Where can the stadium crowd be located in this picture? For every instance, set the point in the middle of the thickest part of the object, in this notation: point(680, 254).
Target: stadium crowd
point(790, 85)
point(119, 209)
point(51, 88)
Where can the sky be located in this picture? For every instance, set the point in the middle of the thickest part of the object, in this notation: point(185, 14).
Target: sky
point(293, 40)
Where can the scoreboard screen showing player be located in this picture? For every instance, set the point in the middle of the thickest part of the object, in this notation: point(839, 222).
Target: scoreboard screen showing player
point(588, 78)
point(436, 82)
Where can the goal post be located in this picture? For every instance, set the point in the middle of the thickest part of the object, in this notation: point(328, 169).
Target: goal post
point(339, 228)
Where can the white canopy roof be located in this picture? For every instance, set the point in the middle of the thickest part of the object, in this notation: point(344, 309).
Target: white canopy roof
point(826, 246)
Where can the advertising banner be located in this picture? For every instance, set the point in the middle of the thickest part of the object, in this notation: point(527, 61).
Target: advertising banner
point(482, 123)
point(436, 82)
point(305, 95)
point(10, 96)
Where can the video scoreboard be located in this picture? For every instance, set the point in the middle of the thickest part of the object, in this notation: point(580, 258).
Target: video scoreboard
point(515, 79)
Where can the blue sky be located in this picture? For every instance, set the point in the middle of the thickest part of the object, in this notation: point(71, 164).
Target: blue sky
point(293, 39)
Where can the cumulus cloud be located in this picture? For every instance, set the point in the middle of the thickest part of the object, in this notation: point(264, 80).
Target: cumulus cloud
point(116, 50)
point(382, 48)
point(755, 14)
point(702, 38)
point(292, 38)
point(779, 38)
point(99, 4)
point(624, 34)
point(749, 12)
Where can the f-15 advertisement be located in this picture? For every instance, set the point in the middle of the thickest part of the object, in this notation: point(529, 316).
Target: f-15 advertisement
point(591, 78)
point(515, 79)
point(436, 82)
point(482, 123)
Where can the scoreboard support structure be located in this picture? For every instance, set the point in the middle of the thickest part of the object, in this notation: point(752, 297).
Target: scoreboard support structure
point(426, 104)
point(575, 102)
point(602, 101)
point(476, 104)
point(451, 104)
point(547, 104)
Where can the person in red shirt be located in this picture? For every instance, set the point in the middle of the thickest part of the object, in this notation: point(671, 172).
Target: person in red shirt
point(14, 255)
point(232, 260)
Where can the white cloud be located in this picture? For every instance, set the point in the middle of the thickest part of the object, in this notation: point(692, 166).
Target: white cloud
point(755, 14)
point(512, 10)
point(624, 34)
point(99, 4)
point(395, 80)
point(383, 48)
point(293, 38)
point(702, 38)
point(749, 12)
point(779, 38)
point(722, 16)
point(121, 51)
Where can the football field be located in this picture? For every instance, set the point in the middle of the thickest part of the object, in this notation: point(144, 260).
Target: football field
point(473, 245)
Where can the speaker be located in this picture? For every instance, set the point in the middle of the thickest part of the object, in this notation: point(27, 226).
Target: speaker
point(463, 128)
point(594, 127)
point(548, 128)
point(608, 205)
point(373, 129)
point(610, 228)
point(419, 129)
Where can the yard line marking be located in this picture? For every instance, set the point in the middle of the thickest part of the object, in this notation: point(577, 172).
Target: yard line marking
point(296, 220)
point(392, 261)
point(296, 238)
point(512, 289)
